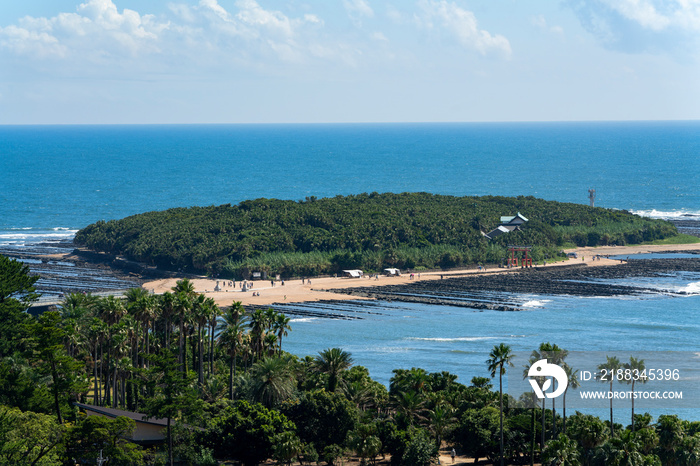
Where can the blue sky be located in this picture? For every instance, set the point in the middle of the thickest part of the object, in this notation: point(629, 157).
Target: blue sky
point(260, 61)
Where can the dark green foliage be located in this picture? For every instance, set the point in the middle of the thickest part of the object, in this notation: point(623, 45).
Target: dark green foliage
point(369, 231)
point(246, 432)
point(331, 454)
point(477, 433)
point(21, 387)
point(52, 360)
point(29, 438)
point(171, 395)
point(322, 418)
point(413, 447)
point(562, 450)
point(15, 281)
point(94, 433)
point(16, 291)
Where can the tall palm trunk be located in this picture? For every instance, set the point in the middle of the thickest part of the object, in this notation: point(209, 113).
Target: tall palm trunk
point(500, 387)
point(183, 354)
point(115, 388)
point(543, 431)
point(96, 397)
point(612, 426)
point(632, 405)
point(148, 346)
point(201, 354)
point(211, 347)
point(533, 439)
point(102, 364)
point(108, 378)
point(563, 409)
point(554, 417)
point(232, 375)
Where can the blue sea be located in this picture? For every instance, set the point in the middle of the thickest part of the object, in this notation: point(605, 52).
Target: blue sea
point(57, 179)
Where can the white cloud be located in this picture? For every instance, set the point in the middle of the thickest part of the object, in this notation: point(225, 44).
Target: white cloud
point(656, 26)
point(541, 23)
point(358, 8)
point(23, 41)
point(96, 30)
point(652, 15)
point(642, 12)
point(462, 25)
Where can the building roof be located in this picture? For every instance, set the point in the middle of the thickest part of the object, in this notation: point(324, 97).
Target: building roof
point(113, 413)
point(498, 231)
point(511, 218)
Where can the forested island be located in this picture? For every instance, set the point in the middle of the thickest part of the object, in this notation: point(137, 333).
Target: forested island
point(367, 231)
point(225, 390)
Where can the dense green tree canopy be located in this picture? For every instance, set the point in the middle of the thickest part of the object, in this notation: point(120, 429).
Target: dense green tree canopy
point(367, 230)
point(246, 432)
point(322, 418)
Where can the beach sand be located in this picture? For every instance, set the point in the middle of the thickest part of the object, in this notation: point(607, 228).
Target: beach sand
point(294, 291)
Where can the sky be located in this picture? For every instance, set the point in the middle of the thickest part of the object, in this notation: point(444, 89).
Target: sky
point(328, 61)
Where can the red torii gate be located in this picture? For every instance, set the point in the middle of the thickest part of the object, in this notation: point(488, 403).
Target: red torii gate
point(513, 261)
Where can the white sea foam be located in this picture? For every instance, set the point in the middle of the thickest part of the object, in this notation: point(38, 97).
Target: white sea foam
point(669, 215)
point(303, 319)
point(38, 236)
point(691, 288)
point(28, 235)
point(536, 303)
point(452, 339)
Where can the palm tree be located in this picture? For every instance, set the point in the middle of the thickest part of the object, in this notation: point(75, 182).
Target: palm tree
point(200, 313)
point(287, 446)
point(111, 311)
point(270, 344)
point(273, 380)
point(637, 373)
point(258, 326)
point(573, 383)
point(182, 304)
point(609, 372)
point(140, 304)
point(280, 326)
point(333, 362)
point(184, 296)
point(215, 312)
point(441, 418)
point(499, 357)
point(409, 405)
point(232, 331)
point(561, 451)
point(553, 354)
point(167, 309)
point(185, 286)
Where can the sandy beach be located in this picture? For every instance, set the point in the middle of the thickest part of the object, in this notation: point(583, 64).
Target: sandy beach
point(315, 290)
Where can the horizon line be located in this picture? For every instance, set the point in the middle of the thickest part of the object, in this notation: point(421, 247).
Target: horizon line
point(335, 123)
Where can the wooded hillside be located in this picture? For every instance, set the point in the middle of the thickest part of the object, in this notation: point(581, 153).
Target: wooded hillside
point(370, 231)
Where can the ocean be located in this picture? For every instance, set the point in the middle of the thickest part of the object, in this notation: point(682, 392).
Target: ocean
point(57, 179)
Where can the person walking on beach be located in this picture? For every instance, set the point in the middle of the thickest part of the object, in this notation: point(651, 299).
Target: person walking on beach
point(453, 453)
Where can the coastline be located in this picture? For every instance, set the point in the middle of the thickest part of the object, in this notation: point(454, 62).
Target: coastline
point(294, 291)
